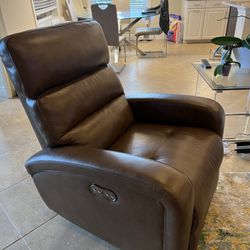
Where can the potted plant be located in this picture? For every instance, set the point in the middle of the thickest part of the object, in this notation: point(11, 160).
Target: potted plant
point(226, 45)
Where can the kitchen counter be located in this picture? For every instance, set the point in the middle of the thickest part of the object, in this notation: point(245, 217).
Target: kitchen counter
point(239, 4)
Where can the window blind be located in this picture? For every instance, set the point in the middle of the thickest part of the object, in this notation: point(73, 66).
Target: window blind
point(134, 4)
point(139, 4)
point(43, 6)
point(100, 1)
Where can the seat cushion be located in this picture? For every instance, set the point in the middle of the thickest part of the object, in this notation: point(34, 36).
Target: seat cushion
point(147, 31)
point(195, 152)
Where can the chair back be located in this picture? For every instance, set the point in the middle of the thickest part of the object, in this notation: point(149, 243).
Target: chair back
point(164, 16)
point(69, 93)
point(106, 16)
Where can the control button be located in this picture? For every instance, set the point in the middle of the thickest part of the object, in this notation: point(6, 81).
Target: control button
point(103, 192)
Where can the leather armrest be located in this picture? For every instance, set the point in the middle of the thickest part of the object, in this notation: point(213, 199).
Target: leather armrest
point(178, 110)
point(161, 182)
point(75, 159)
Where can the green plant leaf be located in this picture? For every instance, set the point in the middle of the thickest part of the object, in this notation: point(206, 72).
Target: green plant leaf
point(227, 57)
point(229, 60)
point(218, 70)
point(248, 39)
point(227, 41)
point(246, 44)
point(237, 63)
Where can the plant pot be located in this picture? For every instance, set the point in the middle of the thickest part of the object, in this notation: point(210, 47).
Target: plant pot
point(226, 69)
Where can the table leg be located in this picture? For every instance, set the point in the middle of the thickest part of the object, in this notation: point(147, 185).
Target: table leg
point(197, 84)
point(129, 26)
point(247, 112)
point(116, 54)
point(244, 135)
point(215, 95)
point(134, 47)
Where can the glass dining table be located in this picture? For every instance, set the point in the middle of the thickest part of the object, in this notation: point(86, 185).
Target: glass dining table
point(133, 16)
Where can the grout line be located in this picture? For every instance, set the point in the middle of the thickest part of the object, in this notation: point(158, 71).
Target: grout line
point(26, 244)
point(12, 223)
point(12, 243)
point(23, 236)
point(13, 185)
point(51, 218)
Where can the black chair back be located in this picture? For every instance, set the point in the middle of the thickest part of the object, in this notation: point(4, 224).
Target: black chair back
point(164, 16)
point(106, 16)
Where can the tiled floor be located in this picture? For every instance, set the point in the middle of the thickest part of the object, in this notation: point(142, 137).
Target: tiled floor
point(2, 99)
point(25, 222)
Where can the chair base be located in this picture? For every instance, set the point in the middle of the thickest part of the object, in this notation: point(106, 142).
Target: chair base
point(150, 54)
point(153, 54)
point(117, 67)
point(115, 64)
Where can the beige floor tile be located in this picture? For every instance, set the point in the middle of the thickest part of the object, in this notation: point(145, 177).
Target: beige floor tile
point(24, 206)
point(19, 245)
point(12, 165)
point(8, 233)
point(234, 162)
point(15, 128)
point(2, 99)
point(59, 233)
point(13, 138)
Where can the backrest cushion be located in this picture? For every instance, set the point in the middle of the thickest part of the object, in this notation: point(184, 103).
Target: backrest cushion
point(49, 57)
point(69, 93)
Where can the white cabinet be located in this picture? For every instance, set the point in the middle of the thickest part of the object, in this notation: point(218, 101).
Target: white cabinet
point(203, 20)
point(214, 24)
point(194, 24)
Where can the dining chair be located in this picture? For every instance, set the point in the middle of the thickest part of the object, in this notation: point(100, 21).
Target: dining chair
point(162, 8)
point(106, 16)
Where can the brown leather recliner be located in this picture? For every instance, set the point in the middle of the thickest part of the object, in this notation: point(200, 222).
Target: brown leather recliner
point(138, 172)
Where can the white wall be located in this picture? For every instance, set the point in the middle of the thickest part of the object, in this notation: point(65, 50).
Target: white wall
point(15, 16)
point(175, 6)
point(2, 26)
point(78, 6)
point(18, 15)
point(6, 88)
